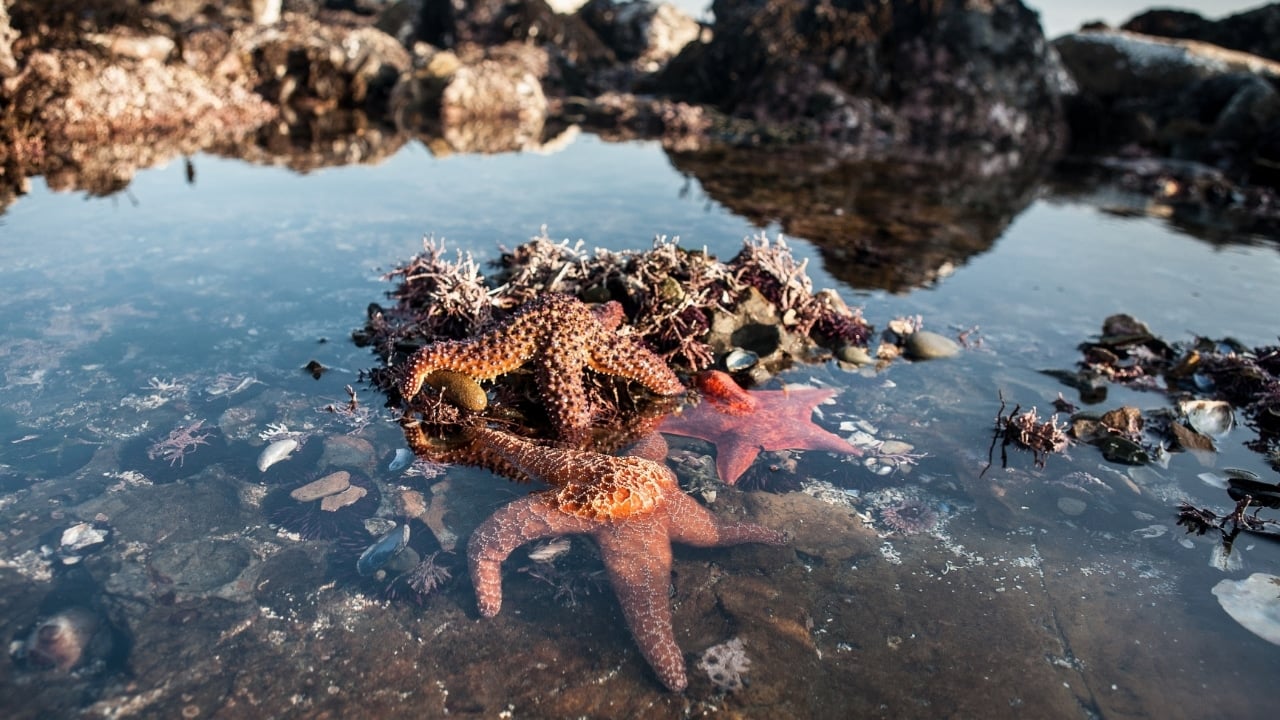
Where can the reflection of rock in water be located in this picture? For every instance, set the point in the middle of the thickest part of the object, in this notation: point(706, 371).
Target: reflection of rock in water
point(878, 224)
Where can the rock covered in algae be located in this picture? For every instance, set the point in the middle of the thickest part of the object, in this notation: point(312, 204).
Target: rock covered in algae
point(1254, 603)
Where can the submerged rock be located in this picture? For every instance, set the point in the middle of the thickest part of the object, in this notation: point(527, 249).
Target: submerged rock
point(1180, 98)
point(894, 73)
point(61, 641)
point(925, 345)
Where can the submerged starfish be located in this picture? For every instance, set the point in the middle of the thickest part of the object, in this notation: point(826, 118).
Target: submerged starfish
point(561, 337)
point(741, 423)
point(634, 510)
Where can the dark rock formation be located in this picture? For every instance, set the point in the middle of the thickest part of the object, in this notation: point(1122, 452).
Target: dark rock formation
point(907, 73)
point(1182, 99)
point(455, 23)
point(322, 66)
point(1255, 31)
point(645, 34)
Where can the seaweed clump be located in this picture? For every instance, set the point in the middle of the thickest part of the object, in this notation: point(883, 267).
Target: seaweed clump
point(1195, 374)
point(671, 297)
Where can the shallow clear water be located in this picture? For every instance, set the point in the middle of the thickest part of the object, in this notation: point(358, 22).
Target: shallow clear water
point(127, 317)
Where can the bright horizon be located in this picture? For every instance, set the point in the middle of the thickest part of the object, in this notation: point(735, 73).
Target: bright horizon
point(1059, 17)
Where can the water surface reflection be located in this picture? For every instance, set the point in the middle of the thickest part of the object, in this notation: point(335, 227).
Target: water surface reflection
point(128, 318)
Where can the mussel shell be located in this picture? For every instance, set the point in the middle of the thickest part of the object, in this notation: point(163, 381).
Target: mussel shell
point(1209, 417)
point(1123, 450)
point(382, 550)
point(1260, 493)
point(739, 359)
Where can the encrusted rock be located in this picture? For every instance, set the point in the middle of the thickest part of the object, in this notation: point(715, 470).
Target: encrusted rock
point(645, 34)
point(895, 73)
point(1183, 98)
point(324, 65)
point(495, 105)
point(1252, 31)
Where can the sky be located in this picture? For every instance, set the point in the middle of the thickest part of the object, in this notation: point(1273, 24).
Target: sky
point(1063, 16)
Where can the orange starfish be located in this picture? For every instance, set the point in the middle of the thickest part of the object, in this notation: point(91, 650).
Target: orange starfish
point(632, 507)
point(741, 423)
point(560, 336)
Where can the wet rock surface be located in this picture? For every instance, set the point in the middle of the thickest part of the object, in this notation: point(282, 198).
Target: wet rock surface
point(971, 88)
point(881, 75)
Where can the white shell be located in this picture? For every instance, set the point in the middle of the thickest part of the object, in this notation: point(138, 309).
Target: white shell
point(739, 359)
point(401, 460)
point(275, 452)
point(83, 535)
point(1254, 603)
point(1209, 417)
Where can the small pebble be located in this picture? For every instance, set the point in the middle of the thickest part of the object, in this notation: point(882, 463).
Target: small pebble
point(925, 345)
point(347, 497)
point(328, 485)
point(1072, 506)
point(854, 354)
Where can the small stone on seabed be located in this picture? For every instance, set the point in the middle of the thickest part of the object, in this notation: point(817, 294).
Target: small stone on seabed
point(925, 345)
point(1072, 506)
point(854, 354)
point(343, 499)
point(328, 485)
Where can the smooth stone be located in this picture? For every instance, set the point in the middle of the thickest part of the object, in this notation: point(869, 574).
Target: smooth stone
point(854, 354)
point(344, 451)
point(328, 485)
point(347, 497)
point(895, 447)
point(925, 345)
point(1072, 506)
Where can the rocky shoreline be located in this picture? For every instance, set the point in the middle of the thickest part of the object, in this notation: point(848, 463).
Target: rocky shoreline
point(91, 92)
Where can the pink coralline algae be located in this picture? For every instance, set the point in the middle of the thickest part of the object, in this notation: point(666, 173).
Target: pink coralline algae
point(911, 516)
point(181, 441)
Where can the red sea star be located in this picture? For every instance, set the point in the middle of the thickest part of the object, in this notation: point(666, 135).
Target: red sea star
point(632, 507)
point(561, 337)
point(766, 420)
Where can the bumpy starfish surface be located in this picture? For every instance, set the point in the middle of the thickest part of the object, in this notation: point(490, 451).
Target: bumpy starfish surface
point(560, 336)
point(632, 507)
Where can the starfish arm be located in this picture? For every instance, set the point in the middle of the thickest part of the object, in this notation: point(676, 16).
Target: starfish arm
point(733, 458)
point(560, 383)
point(651, 446)
point(482, 358)
point(524, 520)
point(624, 357)
point(692, 524)
point(638, 558)
point(553, 466)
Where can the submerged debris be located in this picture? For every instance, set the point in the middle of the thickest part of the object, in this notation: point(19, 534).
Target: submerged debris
point(725, 664)
point(1210, 382)
point(181, 441)
point(1027, 431)
point(422, 580)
